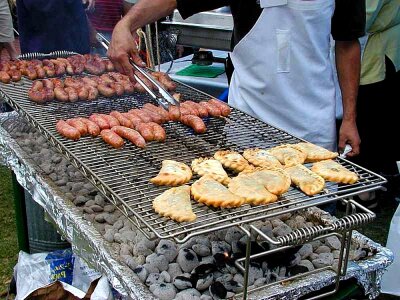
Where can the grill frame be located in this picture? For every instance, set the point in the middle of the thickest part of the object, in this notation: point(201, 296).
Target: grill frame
point(88, 154)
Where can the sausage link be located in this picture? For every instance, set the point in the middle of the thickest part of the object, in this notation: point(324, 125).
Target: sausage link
point(92, 128)
point(4, 77)
point(15, 75)
point(158, 132)
point(72, 94)
point(78, 124)
point(141, 114)
point(133, 118)
point(189, 107)
point(100, 121)
point(213, 110)
point(131, 135)
point(93, 93)
point(67, 130)
point(194, 122)
point(111, 138)
point(60, 94)
point(105, 90)
point(155, 117)
point(38, 96)
point(174, 113)
point(146, 131)
point(110, 120)
point(89, 81)
point(118, 88)
point(203, 113)
point(224, 108)
point(124, 121)
point(159, 110)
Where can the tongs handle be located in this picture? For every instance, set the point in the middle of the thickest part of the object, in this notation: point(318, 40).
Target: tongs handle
point(166, 98)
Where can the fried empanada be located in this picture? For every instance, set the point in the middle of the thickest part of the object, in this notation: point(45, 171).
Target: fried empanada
point(261, 158)
point(333, 171)
point(252, 191)
point(314, 153)
point(175, 204)
point(212, 167)
point(232, 160)
point(309, 182)
point(210, 192)
point(287, 155)
point(172, 173)
point(276, 181)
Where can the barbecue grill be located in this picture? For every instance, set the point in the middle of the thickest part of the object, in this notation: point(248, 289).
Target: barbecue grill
point(122, 175)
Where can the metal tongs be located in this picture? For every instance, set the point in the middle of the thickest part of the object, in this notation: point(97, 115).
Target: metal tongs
point(165, 100)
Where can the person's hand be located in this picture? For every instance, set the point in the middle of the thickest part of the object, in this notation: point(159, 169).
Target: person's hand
point(348, 134)
point(90, 4)
point(123, 47)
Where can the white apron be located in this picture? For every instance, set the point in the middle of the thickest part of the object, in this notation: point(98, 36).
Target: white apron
point(283, 74)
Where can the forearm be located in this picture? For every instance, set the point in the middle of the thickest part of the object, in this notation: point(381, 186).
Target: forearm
point(146, 12)
point(348, 64)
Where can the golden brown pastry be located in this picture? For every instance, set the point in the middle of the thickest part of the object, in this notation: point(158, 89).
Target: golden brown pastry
point(212, 167)
point(175, 204)
point(252, 191)
point(287, 155)
point(309, 182)
point(261, 158)
point(212, 193)
point(333, 171)
point(314, 153)
point(232, 160)
point(172, 173)
point(276, 181)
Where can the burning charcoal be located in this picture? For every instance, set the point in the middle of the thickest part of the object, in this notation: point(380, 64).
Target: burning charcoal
point(224, 278)
point(89, 203)
point(187, 260)
point(165, 275)
point(204, 282)
point(204, 269)
point(217, 291)
point(62, 181)
point(220, 247)
point(110, 218)
point(285, 217)
point(201, 250)
point(305, 251)
point(83, 192)
point(76, 187)
point(237, 248)
point(260, 282)
point(141, 249)
point(336, 254)
point(168, 249)
point(151, 268)
point(154, 278)
point(141, 272)
point(125, 249)
point(130, 261)
point(308, 264)
point(97, 208)
point(158, 260)
point(118, 225)
point(281, 230)
point(333, 242)
point(297, 270)
point(203, 241)
point(163, 291)
point(189, 294)
point(276, 223)
point(174, 270)
point(255, 272)
point(239, 278)
point(207, 260)
point(182, 282)
point(221, 259)
point(128, 236)
point(189, 243)
point(80, 200)
point(323, 260)
point(233, 234)
point(323, 249)
point(99, 200)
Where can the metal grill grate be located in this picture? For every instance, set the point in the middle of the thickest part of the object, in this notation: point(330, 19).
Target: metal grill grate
point(123, 175)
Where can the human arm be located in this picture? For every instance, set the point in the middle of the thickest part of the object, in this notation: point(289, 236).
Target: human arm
point(348, 64)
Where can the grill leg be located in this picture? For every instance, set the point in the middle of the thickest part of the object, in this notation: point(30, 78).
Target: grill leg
point(247, 262)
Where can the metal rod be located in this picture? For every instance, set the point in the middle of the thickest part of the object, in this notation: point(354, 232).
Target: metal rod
point(247, 263)
point(158, 47)
point(149, 46)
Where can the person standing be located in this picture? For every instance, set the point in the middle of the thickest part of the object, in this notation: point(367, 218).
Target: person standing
point(6, 30)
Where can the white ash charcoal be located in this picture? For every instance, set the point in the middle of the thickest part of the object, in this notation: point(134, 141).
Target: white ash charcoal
point(224, 278)
point(109, 235)
point(76, 187)
point(233, 234)
point(83, 192)
point(69, 185)
point(285, 217)
point(78, 175)
point(182, 283)
point(206, 297)
point(99, 199)
point(305, 251)
point(323, 260)
point(80, 200)
point(217, 274)
point(217, 291)
point(204, 282)
point(188, 244)
point(336, 254)
point(118, 225)
point(357, 254)
point(125, 249)
point(89, 218)
point(260, 282)
point(267, 229)
point(99, 227)
point(100, 218)
point(308, 264)
point(165, 275)
point(300, 219)
point(163, 291)
point(141, 248)
point(255, 272)
point(315, 244)
point(62, 181)
point(335, 264)
point(89, 187)
point(127, 236)
point(239, 278)
point(201, 250)
point(189, 294)
point(333, 242)
point(220, 247)
point(108, 227)
point(207, 260)
point(158, 260)
point(90, 203)
point(277, 223)
point(48, 169)
point(296, 260)
point(203, 241)
point(53, 176)
point(109, 208)
point(141, 272)
point(221, 234)
point(118, 238)
point(56, 159)
point(110, 218)
point(140, 238)
point(154, 278)
point(174, 270)
point(168, 249)
point(313, 256)
point(187, 259)
point(281, 230)
point(309, 224)
point(151, 268)
point(323, 249)
point(130, 261)
point(88, 210)
point(282, 271)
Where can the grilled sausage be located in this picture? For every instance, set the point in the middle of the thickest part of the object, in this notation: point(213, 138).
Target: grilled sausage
point(129, 88)
point(133, 118)
point(202, 111)
point(78, 124)
point(15, 75)
point(194, 122)
point(174, 113)
point(89, 81)
point(192, 109)
point(213, 110)
point(141, 114)
point(4, 77)
point(93, 93)
point(57, 82)
point(41, 73)
point(155, 117)
point(124, 121)
point(146, 131)
point(131, 135)
point(105, 90)
point(67, 130)
point(109, 65)
point(110, 120)
point(118, 88)
point(100, 121)
point(159, 110)
point(111, 138)
point(92, 128)
point(49, 94)
point(223, 107)
point(158, 132)
point(72, 94)
point(60, 94)
point(37, 93)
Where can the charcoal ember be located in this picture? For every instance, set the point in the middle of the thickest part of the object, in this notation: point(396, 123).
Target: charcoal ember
point(165, 275)
point(260, 282)
point(96, 208)
point(151, 268)
point(168, 249)
point(305, 251)
point(99, 199)
point(174, 270)
point(221, 259)
point(204, 269)
point(323, 249)
point(220, 247)
point(154, 278)
point(323, 260)
point(204, 281)
point(201, 250)
point(80, 200)
point(217, 291)
point(182, 282)
point(308, 264)
point(333, 242)
point(141, 272)
point(233, 234)
point(158, 260)
point(163, 291)
point(295, 270)
point(189, 294)
point(187, 259)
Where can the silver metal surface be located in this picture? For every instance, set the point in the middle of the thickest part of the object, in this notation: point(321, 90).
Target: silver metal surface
point(54, 54)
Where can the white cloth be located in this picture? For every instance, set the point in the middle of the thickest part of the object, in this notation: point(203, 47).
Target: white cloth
point(6, 26)
point(283, 74)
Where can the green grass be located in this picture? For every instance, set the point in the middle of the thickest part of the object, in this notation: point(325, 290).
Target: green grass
point(8, 231)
